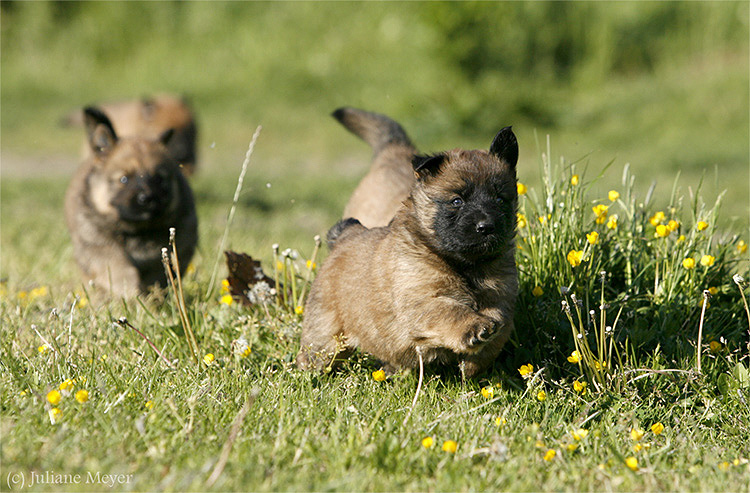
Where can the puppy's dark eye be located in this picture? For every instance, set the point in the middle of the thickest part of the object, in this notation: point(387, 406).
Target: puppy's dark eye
point(457, 202)
point(123, 179)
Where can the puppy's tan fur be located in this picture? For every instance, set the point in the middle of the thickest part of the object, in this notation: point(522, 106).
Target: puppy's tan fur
point(395, 290)
point(120, 205)
point(149, 118)
point(388, 183)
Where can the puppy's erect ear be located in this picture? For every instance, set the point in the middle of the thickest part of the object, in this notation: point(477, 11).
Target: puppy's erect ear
point(425, 166)
point(101, 134)
point(505, 146)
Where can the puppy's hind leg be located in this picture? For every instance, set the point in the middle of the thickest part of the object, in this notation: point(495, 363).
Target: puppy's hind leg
point(321, 345)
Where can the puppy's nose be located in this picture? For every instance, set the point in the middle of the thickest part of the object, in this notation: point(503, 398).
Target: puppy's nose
point(485, 227)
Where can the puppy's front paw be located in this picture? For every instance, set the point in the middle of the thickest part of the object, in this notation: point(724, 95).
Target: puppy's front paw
point(480, 332)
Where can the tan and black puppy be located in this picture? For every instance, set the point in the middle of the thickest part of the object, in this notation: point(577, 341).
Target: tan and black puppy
point(440, 279)
point(120, 205)
point(388, 183)
point(150, 117)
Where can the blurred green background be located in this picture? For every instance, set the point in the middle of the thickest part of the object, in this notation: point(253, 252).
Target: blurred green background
point(660, 85)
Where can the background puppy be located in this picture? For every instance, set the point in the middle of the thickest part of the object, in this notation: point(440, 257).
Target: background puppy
point(388, 183)
point(440, 278)
point(149, 118)
point(120, 205)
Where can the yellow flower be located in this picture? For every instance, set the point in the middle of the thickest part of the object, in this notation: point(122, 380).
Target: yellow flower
point(600, 366)
point(488, 392)
point(707, 260)
point(723, 465)
point(580, 434)
point(714, 346)
point(537, 291)
point(673, 225)
point(680, 238)
point(526, 369)
point(541, 395)
point(279, 265)
point(521, 188)
point(574, 180)
point(657, 428)
point(208, 358)
point(311, 265)
point(54, 415)
point(82, 396)
point(450, 446)
point(741, 246)
point(522, 223)
point(636, 434)
point(701, 225)
point(572, 447)
point(579, 387)
point(149, 404)
point(43, 349)
point(662, 231)
point(427, 442)
point(689, 263)
point(299, 309)
point(248, 350)
point(54, 396)
point(500, 421)
point(593, 237)
point(66, 384)
point(226, 299)
point(600, 211)
point(549, 455)
point(575, 257)
point(225, 285)
point(543, 219)
point(574, 357)
point(613, 195)
point(713, 290)
point(38, 292)
point(612, 223)
point(657, 218)
point(632, 463)
point(378, 375)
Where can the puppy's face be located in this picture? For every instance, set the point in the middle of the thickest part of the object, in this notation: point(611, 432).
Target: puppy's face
point(133, 180)
point(467, 199)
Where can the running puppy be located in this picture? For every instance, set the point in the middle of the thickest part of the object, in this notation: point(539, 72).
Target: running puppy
point(120, 205)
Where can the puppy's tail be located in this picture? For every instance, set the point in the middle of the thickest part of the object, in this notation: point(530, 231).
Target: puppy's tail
point(344, 226)
point(377, 130)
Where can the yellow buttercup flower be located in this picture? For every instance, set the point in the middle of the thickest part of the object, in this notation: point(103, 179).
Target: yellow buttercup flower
point(657, 428)
point(311, 265)
point(572, 447)
point(521, 188)
point(741, 246)
point(593, 237)
point(226, 299)
point(574, 180)
point(82, 396)
point(600, 365)
point(541, 395)
point(149, 404)
point(600, 211)
point(427, 442)
point(450, 446)
point(68, 383)
point(662, 231)
point(613, 195)
point(378, 375)
point(689, 263)
point(579, 387)
point(713, 290)
point(612, 223)
point(208, 358)
point(549, 455)
point(714, 346)
point(526, 369)
point(636, 434)
point(43, 348)
point(707, 260)
point(701, 225)
point(680, 238)
point(543, 219)
point(500, 421)
point(657, 218)
point(224, 285)
point(574, 357)
point(580, 434)
point(54, 396)
point(299, 309)
point(522, 223)
point(279, 265)
point(537, 291)
point(575, 257)
point(673, 225)
point(54, 415)
point(488, 392)
point(723, 466)
point(632, 463)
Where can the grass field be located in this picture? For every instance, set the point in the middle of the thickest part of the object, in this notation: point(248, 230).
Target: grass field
point(666, 400)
